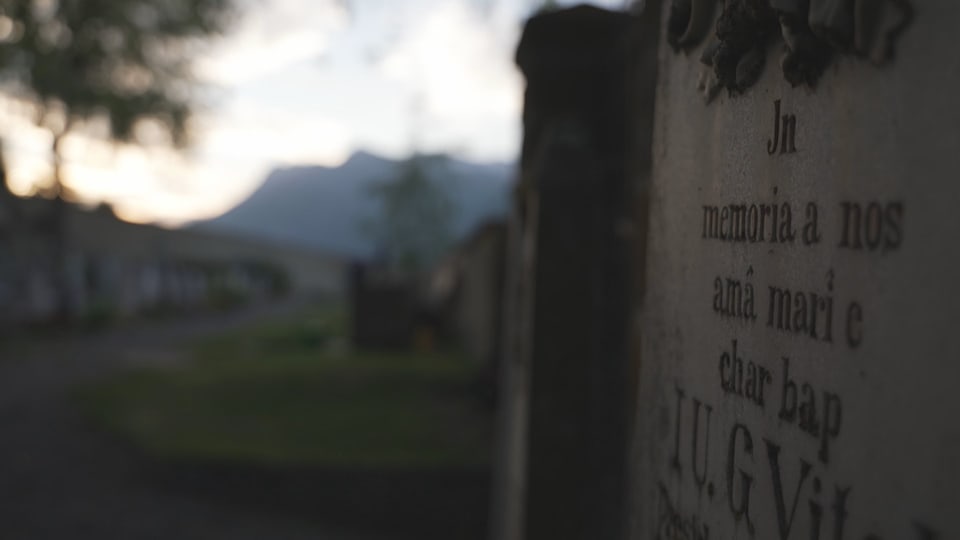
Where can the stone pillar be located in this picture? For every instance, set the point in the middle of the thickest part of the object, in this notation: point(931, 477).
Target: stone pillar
point(566, 391)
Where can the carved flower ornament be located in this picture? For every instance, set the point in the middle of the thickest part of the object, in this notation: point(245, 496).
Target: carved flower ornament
point(812, 31)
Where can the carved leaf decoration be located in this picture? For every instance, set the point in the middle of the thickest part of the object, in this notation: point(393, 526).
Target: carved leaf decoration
point(832, 21)
point(812, 32)
point(678, 20)
point(690, 22)
point(796, 8)
point(744, 29)
point(805, 56)
point(879, 24)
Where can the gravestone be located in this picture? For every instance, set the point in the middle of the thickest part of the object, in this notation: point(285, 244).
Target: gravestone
point(383, 308)
point(800, 353)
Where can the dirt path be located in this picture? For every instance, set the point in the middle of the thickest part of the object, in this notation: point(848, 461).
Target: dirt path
point(59, 479)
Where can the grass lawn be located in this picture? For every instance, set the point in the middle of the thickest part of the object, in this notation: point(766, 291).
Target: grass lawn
point(279, 394)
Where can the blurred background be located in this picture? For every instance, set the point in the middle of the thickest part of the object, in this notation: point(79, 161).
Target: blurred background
point(253, 256)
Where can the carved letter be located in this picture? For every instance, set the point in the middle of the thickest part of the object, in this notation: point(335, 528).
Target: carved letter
point(700, 477)
point(784, 521)
point(742, 509)
point(773, 142)
point(675, 462)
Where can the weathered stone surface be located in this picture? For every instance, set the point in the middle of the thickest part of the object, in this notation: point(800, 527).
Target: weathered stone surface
point(800, 359)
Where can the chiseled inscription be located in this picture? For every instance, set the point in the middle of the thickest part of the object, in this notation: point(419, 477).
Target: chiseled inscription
point(808, 313)
point(730, 463)
point(784, 138)
point(872, 226)
point(731, 467)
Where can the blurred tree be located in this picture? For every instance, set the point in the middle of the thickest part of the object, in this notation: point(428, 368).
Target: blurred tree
point(415, 224)
point(122, 61)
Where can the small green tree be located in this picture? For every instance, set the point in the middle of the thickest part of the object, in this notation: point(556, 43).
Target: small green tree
point(123, 61)
point(415, 224)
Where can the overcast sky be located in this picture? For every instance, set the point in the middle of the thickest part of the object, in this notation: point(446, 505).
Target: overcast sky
point(310, 82)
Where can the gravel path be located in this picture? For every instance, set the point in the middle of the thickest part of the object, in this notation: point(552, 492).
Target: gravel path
point(59, 479)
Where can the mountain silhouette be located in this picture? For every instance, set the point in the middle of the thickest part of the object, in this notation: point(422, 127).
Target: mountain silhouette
point(325, 208)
